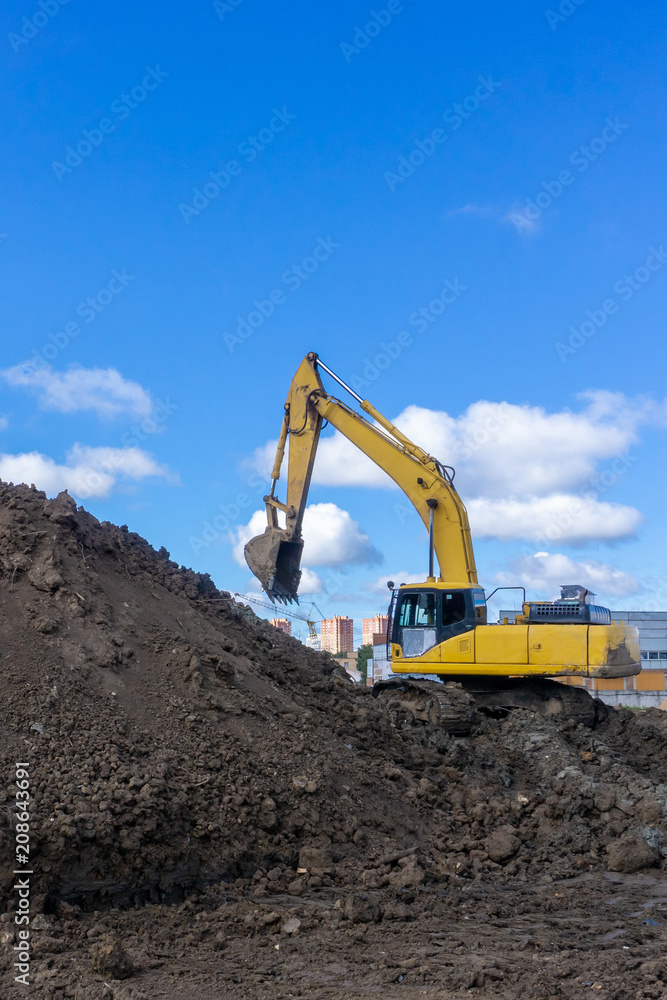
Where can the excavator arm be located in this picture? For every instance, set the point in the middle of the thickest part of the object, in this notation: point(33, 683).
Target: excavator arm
point(275, 556)
point(439, 627)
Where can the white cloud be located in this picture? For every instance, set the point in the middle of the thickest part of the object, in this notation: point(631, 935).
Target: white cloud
point(338, 463)
point(519, 467)
point(557, 518)
point(103, 390)
point(546, 572)
point(87, 472)
point(515, 216)
point(503, 449)
point(239, 536)
point(523, 225)
point(484, 211)
point(4, 423)
point(311, 582)
point(331, 538)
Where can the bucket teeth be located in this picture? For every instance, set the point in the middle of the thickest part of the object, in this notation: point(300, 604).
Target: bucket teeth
point(275, 562)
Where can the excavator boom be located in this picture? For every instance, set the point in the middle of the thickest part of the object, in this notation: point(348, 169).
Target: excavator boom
point(274, 557)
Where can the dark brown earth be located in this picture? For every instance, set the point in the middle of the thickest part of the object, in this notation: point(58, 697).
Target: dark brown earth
point(217, 812)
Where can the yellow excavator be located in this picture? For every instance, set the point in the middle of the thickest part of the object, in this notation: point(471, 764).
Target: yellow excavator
point(438, 630)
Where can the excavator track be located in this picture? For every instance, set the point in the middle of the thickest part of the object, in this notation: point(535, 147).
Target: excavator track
point(448, 706)
point(457, 704)
point(547, 697)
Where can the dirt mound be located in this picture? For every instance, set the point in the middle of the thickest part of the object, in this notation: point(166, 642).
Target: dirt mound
point(175, 742)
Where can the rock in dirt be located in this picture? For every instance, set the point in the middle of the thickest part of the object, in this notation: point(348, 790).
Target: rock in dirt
point(361, 908)
point(315, 860)
point(630, 854)
point(110, 960)
point(502, 844)
point(291, 926)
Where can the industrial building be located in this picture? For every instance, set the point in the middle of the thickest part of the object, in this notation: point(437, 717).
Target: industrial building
point(379, 667)
point(350, 665)
point(649, 687)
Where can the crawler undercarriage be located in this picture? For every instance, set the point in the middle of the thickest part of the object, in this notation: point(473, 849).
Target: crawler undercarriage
point(454, 704)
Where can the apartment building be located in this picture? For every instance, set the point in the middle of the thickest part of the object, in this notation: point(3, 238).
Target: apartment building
point(336, 634)
point(371, 625)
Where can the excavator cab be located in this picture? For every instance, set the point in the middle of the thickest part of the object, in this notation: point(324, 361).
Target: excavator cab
point(436, 628)
point(425, 616)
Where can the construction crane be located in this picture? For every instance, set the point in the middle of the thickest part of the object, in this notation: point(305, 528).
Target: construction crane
point(250, 599)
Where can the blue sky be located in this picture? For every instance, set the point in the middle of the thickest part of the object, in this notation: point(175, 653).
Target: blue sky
point(167, 171)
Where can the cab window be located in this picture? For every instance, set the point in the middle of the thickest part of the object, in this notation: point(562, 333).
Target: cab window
point(453, 607)
point(417, 609)
point(479, 602)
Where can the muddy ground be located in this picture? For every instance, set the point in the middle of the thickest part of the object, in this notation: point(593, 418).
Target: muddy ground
point(216, 811)
point(597, 934)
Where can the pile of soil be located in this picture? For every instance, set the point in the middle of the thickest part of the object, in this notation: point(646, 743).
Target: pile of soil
point(206, 789)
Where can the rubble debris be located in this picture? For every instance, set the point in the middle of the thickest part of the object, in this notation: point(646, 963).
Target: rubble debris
point(205, 787)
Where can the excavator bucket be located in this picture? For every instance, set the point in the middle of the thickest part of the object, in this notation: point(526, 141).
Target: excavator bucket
point(275, 562)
